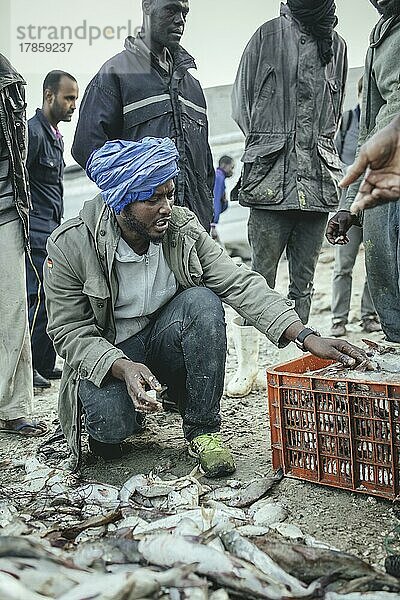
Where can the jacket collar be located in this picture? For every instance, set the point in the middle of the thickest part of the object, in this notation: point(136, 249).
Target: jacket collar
point(286, 12)
point(181, 58)
point(46, 125)
point(382, 30)
point(8, 75)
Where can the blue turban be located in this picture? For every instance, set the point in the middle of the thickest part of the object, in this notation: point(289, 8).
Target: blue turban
point(130, 171)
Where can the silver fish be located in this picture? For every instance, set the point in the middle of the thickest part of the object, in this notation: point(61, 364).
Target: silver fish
point(163, 494)
point(101, 494)
point(42, 576)
point(12, 589)
point(252, 530)
point(310, 564)
point(142, 583)
point(24, 547)
point(219, 595)
point(243, 494)
point(130, 486)
point(228, 571)
point(189, 593)
point(362, 596)
point(266, 512)
point(7, 513)
point(288, 530)
point(244, 549)
point(106, 551)
point(204, 518)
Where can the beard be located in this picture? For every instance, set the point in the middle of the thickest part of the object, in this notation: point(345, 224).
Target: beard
point(141, 229)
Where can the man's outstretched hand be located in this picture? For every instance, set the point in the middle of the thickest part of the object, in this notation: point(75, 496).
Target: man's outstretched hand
point(332, 349)
point(137, 378)
point(339, 351)
point(379, 161)
point(338, 226)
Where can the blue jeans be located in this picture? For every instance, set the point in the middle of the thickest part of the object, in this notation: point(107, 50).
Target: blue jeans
point(43, 353)
point(185, 348)
point(382, 259)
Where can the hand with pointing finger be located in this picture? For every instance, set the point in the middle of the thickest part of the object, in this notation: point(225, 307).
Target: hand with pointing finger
point(136, 377)
point(379, 162)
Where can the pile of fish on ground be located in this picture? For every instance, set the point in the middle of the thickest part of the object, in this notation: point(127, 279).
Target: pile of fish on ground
point(167, 539)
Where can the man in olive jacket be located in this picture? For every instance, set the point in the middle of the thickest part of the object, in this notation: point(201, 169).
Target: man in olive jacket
point(134, 289)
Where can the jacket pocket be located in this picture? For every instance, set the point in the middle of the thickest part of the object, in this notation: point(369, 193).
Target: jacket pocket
point(149, 110)
point(263, 178)
point(49, 169)
point(98, 294)
point(331, 171)
point(265, 88)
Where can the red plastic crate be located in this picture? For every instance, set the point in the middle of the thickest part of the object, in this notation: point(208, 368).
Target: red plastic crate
point(342, 433)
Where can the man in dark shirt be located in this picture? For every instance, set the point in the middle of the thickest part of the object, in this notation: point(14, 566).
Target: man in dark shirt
point(147, 90)
point(46, 169)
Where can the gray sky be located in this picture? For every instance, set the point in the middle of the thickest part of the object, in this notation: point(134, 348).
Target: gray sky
point(217, 32)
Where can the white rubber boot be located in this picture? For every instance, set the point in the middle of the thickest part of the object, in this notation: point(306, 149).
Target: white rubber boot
point(247, 341)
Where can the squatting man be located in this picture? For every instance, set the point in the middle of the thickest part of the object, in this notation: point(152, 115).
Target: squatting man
point(134, 290)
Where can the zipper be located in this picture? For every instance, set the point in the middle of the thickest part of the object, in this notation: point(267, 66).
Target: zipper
point(146, 284)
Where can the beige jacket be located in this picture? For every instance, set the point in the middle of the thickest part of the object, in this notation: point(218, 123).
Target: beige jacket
point(81, 290)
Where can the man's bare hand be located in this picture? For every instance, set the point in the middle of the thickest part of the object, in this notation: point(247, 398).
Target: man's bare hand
point(338, 226)
point(339, 351)
point(136, 377)
point(379, 161)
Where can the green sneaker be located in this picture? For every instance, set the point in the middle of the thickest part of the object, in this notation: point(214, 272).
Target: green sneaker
point(214, 458)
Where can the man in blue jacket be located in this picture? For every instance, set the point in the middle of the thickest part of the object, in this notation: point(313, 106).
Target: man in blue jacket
point(226, 166)
point(45, 165)
point(147, 90)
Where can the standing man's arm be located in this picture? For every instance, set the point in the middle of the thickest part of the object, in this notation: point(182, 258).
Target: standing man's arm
point(344, 119)
point(344, 80)
point(243, 88)
point(33, 148)
point(100, 118)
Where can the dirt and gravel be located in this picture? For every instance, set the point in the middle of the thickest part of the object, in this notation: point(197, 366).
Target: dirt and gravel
point(348, 521)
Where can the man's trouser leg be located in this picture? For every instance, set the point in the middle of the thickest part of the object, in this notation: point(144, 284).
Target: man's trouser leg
point(43, 353)
point(269, 232)
point(185, 348)
point(303, 250)
point(16, 392)
point(302, 234)
point(382, 257)
point(345, 258)
point(367, 306)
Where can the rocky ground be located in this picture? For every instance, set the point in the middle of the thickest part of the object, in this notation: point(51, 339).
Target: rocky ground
point(348, 521)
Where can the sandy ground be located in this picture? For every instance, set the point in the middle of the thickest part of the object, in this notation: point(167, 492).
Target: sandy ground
point(348, 521)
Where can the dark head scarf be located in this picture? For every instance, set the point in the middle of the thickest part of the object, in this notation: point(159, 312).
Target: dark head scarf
point(320, 19)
